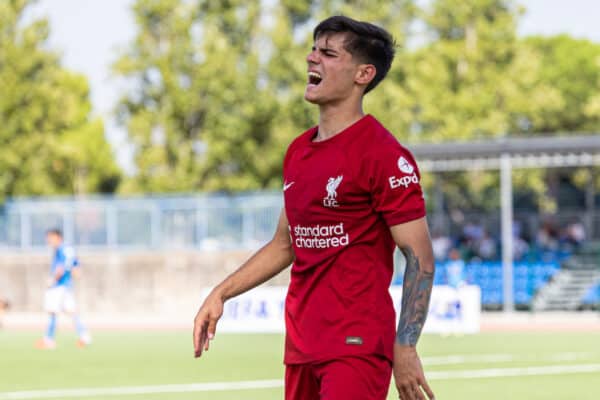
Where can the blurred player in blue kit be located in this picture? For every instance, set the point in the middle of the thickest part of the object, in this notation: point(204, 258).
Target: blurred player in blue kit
point(455, 274)
point(60, 295)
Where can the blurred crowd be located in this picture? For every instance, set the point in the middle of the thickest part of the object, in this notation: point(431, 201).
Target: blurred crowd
point(475, 242)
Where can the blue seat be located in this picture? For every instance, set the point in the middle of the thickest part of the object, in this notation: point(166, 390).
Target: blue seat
point(492, 296)
point(592, 296)
point(520, 270)
point(522, 297)
point(521, 283)
point(538, 270)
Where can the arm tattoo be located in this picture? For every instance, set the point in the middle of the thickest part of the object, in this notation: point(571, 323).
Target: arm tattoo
point(416, 292)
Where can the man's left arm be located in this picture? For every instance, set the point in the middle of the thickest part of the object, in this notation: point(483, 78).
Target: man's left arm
point(413, 240)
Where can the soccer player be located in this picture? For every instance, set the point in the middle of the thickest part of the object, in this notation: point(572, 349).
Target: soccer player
point(352, 194)
point(59, 295)
point(455, 277)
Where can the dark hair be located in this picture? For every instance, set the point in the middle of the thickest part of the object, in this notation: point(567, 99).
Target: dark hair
point(365, 41)
point(54, 231)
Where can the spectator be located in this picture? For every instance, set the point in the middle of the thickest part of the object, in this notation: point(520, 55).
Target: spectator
point(441, 245)
point(547, 237)
point(455, 268)
point(486, 247)
point(520, 248)
point(574, 235)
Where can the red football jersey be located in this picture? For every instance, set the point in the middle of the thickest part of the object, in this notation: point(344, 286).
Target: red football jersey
point(341, 197)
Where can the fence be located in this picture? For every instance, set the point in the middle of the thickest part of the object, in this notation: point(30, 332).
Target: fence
point(202, 221)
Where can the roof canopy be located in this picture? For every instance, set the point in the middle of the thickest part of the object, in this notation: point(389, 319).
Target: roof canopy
point(535, 152)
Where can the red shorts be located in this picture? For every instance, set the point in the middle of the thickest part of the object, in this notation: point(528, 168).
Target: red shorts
point(346, 378)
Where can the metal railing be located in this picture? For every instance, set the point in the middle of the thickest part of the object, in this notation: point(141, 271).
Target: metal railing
point(202, 221)
point(199, 222)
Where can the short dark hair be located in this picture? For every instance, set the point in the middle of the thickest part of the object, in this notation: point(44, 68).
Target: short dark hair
point(365, 41)
point(54, 231)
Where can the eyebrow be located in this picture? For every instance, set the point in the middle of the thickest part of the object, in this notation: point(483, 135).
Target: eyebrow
point(325, 49)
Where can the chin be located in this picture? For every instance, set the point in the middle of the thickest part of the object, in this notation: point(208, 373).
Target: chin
point(311, 99)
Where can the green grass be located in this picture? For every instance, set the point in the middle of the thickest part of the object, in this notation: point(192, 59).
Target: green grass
point(161, 358)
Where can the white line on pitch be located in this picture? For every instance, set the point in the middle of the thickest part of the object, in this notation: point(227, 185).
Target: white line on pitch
point(502, 357)
point(130, 390)
point(508, 372)
point(461, 359)
point(277, 383)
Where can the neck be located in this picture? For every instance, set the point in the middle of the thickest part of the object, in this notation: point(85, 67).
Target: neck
point(333, 120)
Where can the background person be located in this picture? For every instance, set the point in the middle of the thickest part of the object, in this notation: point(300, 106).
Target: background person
point(60, 295)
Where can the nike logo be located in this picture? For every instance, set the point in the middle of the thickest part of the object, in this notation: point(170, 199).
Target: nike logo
point(286, 186)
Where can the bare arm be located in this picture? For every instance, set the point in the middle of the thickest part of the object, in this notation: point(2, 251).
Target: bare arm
point(59, 272)
point(76, 272)
point(413, 240)
point(267, 262)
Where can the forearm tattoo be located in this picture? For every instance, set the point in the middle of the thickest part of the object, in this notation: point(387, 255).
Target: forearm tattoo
point(416, 292)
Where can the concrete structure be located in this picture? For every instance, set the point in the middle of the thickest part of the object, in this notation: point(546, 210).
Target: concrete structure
point(124, 282)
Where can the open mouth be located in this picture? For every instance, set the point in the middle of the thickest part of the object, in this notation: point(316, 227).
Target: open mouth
point(314, 78)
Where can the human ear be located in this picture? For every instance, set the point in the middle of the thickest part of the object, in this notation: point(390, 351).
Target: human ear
point(365, 74)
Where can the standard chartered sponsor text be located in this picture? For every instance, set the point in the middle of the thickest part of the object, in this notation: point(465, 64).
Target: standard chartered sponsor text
point(321, 236)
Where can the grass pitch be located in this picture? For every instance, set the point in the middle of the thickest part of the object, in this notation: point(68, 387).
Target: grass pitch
point(138, 365)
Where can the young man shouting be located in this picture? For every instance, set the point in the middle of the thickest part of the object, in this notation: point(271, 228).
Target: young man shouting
point(352, 194)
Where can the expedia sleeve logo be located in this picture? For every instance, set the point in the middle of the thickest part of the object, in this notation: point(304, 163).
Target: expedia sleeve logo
point(409, 178)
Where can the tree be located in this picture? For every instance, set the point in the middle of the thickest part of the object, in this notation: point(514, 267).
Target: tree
point(219, 88)
point(49, 142)
point(219, 92)
point(200, 119)
point(570, 66)
point(472, 80)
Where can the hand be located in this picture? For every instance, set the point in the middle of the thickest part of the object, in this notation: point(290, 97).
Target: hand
point(408, 374)
point(205, 323)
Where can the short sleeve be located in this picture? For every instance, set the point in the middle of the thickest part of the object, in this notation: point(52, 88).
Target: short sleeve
point(70, 259)
point(395, 184)
point(60, 258)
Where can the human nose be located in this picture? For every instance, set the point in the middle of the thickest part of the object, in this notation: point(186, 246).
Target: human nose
point(312, 57)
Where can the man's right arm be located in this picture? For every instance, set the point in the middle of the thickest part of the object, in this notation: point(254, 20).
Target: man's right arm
point(267, 262)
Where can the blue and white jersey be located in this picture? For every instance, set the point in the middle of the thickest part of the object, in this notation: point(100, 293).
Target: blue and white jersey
point(455, 273)
point(64, 257)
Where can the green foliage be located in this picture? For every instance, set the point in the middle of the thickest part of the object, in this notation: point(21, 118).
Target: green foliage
point(220, 92)
point(571, 66)
point(219, 88)
point(475, 80)
point(49, 143)
point(201, 117)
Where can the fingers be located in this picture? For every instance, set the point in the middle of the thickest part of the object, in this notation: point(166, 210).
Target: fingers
point(210, 332)
point(199, 337)
point(427, 390)
point(412, 394)
point(405, 393)
point(204, 331)
point(414, 391)
point(205, 323)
